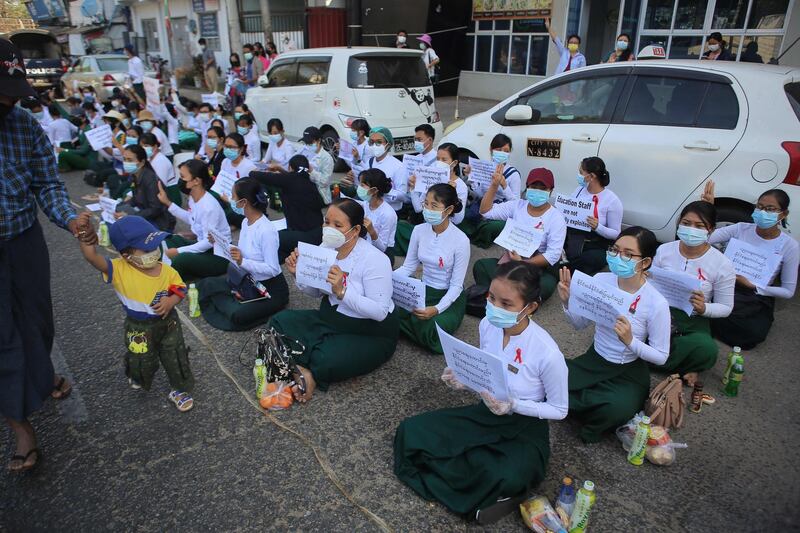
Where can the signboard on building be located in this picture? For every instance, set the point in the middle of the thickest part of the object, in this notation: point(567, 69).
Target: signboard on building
point(46, 9)
point(209, 25)
point(202, 6)
point(511, 9)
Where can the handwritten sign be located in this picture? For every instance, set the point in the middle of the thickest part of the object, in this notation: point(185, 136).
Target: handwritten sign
point(222, 244)
point(409, 293)
point(223, 185)
point(345, 150)
point(151, 86)
point(427, 177)
point(676, 287)
point(599, 302)
point(575, 211)
point(173, 83)
point(757, 265)
point(478, 370)
point(313, 265)
point(108, 207)
point(411, 163)
point(279, 224)
point(521, 238)
point(211, 99)
point(99, 137)
point(480, 172)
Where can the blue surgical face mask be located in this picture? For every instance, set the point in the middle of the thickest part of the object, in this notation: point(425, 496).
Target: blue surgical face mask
point(434, 218)
point(275, 138)
point(146, 125)
point(130, 141)
point(363, 193)
point(622, 45)
point(236, 209)
point(149, 151)
point(502, 318)
point(537, 197)
point(499, 157)
point(212, 143)
point(126, 122)
point(237, 116)
point(88, 98)
point(353, 135)
point(621, 268)
point(129, 167)
point(581, 180)
point(765, 219)
point(242, 130)
point(38, 115)
point(231, 153)
point(692, 236)
point(419, 146)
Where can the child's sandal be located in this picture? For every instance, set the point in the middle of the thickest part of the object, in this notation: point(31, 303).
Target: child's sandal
point(183, 400)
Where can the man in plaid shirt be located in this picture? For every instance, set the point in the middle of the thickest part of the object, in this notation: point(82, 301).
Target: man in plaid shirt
point(28, 175)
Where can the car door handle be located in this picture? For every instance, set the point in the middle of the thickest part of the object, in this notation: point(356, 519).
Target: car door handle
point(317, 98)
point(702, 145)
point(284, 100)
point(585, 139)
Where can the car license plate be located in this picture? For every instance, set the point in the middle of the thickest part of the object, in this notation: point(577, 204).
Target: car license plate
point(404, 144)
point(545, 148)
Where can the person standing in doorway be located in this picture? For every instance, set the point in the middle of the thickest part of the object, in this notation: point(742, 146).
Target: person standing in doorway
point(209, 66)
point(28, 176)
point(135, 70)
point(571, 58)
point(717, 51)
point(428, 55)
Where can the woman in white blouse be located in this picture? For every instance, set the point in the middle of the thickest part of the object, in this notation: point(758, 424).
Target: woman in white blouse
point(255, 288)
point(235, 164)
point(610, 382)
point(535, 213)
point(480, 460)
point(693, 349)
point(280, 150)
point(586, 250)
point(196, 259)
point(379, 218)
point(162, 167)
point(355, 329)
point(443, 251)
point(752, 316)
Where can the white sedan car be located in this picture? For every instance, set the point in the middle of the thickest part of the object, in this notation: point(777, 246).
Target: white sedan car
point(663, 129)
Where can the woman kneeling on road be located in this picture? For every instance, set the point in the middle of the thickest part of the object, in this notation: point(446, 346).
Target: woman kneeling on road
point(355, 330)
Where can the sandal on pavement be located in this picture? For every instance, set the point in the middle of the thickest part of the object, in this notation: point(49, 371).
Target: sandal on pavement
point(24, 459)
point(134, 384)
point(183, 400)
point(708, 399)
point(496, 511)
point(63, 394)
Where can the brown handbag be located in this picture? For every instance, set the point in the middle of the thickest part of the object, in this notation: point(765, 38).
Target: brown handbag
point(665, 405)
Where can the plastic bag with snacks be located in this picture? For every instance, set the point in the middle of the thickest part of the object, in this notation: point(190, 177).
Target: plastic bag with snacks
point(540, 516)
point(660, 448)
point(277, 396)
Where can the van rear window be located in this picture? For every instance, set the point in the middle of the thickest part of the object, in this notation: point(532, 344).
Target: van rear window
point(386, 71)
point(793, 93)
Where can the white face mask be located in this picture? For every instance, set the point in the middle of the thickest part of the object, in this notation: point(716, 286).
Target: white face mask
point(713, 47)
point(333, 238)
point(401, 39)
point(377, 150)
point(443, 165)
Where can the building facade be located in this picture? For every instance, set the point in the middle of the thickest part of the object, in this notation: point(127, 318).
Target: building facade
point(506, 52)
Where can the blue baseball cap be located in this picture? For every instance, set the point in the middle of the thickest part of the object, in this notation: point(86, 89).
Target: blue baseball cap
point(135, 232)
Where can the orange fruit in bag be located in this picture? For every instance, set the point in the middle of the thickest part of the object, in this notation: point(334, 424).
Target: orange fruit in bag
point(277, 396)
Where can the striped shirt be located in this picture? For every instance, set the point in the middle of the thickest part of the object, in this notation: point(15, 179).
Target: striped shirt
point(28, 175)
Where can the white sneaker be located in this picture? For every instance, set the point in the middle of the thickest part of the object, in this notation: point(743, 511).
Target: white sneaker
point(134, 384)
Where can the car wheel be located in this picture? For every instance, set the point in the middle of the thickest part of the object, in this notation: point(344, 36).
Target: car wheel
point(729, 214)
point(329, 140)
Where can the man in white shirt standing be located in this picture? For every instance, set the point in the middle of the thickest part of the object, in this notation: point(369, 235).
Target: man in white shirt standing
point(135, 70)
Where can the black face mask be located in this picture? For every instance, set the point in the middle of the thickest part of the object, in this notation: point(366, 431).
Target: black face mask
point(5, 110)
point(184, 189)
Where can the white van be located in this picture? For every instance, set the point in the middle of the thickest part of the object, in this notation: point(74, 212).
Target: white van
point(331, 87)
point(662, 127)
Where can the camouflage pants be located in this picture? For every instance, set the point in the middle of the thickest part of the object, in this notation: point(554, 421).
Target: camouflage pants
point(157, 341)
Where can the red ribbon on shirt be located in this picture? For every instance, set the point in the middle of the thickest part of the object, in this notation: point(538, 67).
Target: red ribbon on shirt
point(518, 358)
point(344, 279)
point(596, 201)
point(700, 275)
point(441, 262)
point(632, 309)
point(540, 225)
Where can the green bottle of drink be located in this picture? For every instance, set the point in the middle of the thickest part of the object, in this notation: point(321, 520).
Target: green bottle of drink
point(194, 301)
point(260, 375)
point(735, 379)
point(102, 235)
point(733, 355)
point(639, 444)
point(584, 501)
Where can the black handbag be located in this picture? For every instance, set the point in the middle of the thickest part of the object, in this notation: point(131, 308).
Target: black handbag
point(244, 287)
point(278, 352)
point(476, 300)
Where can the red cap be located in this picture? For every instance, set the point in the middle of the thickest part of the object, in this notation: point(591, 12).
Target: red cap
point(541, 175)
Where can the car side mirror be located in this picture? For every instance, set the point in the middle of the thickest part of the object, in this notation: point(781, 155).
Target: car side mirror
point(519, 113)
point(263, 81)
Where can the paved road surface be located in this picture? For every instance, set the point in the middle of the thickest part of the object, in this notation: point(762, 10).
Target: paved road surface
point(117, 459)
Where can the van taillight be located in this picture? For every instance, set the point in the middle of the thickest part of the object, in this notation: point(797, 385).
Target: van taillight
point(793, 174)
point(109, 81)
